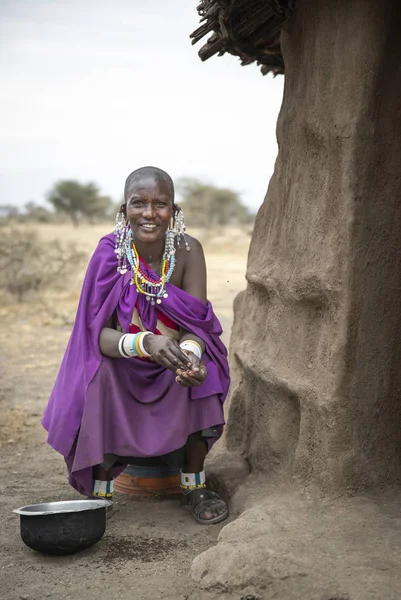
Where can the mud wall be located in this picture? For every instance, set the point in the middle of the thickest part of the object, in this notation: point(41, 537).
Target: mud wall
point(316, 345)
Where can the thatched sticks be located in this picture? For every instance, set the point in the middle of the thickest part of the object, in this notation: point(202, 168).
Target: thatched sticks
point(249, 29)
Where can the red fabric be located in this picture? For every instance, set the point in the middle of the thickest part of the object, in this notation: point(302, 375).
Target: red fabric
point(160, 317)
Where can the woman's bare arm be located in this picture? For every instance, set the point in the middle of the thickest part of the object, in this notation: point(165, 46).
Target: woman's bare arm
point(162, 349)
point(194, 282)
point(108, 340)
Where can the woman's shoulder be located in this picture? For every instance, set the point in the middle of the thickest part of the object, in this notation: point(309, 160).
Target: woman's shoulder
point(193, 242)
point(195, 247)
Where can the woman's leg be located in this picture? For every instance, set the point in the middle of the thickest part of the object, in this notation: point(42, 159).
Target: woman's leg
point(195, 453)
point(101, 474)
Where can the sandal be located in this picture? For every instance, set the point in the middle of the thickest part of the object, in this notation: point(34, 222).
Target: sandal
point(201, 500)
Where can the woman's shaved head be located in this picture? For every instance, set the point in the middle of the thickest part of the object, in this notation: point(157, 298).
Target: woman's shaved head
point(153, 173)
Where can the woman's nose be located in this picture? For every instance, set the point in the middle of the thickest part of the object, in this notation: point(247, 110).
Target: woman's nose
point(148, 210)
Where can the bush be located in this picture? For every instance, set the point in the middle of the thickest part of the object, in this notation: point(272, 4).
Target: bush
point(28, 264)
point(39, 214)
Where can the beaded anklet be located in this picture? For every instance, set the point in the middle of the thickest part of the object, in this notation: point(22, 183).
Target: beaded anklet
point(102, 489)
point(192, 481)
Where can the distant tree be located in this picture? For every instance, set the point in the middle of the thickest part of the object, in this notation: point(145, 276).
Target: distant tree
point(9, 211)
point(36, 212)
point(79, 200)
point(103, 209)
point(30, 206)
point(206, 205)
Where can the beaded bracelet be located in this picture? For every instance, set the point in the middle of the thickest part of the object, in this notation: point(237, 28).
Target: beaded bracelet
point(131, 344)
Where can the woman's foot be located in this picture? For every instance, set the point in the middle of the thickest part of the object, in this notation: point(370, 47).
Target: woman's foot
point(205, 506)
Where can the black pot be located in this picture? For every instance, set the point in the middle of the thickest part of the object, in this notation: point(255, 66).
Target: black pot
point(63, 527)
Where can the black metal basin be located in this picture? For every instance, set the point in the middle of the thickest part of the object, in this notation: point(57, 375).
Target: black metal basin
point(63, 527)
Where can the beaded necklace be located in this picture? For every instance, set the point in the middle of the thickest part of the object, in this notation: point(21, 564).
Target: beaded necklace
point(153, 289)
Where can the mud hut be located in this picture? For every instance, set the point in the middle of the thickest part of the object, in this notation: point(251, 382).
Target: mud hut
point(316, 343)
point(317, 338)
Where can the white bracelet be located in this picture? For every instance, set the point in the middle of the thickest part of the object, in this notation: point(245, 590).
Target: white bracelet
point(125, 345)
point(143, 336)
point(193, 347)
point(120, 346)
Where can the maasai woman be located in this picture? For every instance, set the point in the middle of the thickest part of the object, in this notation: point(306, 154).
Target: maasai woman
point(145, 373)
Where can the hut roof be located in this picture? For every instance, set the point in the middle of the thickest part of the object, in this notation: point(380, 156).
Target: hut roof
point(249, 29)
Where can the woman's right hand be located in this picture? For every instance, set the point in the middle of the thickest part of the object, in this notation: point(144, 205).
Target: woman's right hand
point(194, 376)
point(166, 352)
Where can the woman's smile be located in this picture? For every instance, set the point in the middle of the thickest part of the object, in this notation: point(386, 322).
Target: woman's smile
point(148, 226)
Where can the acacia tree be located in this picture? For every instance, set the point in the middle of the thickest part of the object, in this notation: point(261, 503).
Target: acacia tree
point(206, 205)
point(79, 200)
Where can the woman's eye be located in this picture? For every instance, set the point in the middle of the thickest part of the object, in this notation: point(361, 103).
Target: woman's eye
point(136, 203)
point(161, 204)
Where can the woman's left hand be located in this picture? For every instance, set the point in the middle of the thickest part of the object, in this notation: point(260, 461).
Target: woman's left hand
point(194, 376)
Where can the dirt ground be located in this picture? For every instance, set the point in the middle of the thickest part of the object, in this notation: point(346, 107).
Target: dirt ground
point(148, 547)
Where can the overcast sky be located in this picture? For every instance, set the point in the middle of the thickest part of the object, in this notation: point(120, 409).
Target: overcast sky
point(92, 89)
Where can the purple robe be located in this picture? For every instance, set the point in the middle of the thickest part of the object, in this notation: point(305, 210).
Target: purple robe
point(129, 407)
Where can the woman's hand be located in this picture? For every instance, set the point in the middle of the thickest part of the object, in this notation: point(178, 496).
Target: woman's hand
point(193, 376)
point(165, 351)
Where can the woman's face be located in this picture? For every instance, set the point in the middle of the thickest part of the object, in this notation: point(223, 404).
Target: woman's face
point(149, 209)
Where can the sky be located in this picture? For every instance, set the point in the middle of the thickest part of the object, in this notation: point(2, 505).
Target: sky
point(93, 89)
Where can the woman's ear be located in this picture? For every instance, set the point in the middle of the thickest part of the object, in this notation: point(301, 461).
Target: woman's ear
point(176, 210)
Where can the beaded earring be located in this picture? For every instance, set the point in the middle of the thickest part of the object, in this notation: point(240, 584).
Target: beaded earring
point(180, 228)
point(121, 239)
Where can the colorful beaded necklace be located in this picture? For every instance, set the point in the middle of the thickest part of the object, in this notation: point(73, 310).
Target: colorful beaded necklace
point(153, 289)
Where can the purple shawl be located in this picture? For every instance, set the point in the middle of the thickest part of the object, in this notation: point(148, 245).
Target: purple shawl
point(85, 373)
